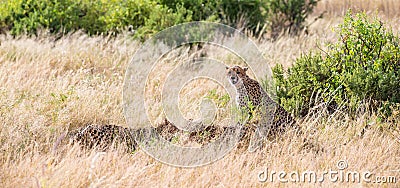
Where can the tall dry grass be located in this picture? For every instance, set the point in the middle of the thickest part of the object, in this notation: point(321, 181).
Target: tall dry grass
point(48, 88)
point(387, 8)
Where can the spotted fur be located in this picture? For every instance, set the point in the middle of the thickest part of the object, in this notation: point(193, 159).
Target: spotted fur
point(103, 137)
point(274, 118)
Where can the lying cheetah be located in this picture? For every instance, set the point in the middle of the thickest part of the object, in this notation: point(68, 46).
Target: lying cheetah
point(274, 118)
point(103, 137)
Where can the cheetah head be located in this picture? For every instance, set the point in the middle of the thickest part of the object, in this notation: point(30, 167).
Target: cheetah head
point(235, 74)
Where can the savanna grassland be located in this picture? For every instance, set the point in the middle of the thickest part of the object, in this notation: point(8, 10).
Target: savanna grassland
point(49, 87)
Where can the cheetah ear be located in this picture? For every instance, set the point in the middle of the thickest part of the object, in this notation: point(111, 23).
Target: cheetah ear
point(245, 69)
point(226, 67)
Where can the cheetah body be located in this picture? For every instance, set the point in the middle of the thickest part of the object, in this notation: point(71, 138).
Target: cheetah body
point(274, 118)
point(104, 136)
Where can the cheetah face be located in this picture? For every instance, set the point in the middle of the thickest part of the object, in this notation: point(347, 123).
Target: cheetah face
point(235, 74)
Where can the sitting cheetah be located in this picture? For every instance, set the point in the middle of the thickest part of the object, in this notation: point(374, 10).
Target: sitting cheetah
point(274, 118)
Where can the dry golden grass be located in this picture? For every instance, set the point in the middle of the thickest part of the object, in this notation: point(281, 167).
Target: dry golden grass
point(387, 8)
point(48, 88)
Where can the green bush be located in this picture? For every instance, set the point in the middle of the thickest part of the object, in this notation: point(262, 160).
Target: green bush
point(275, 15)
point(251, 13)
point(147, 17)
point(361, 68)
point(27, 16)
point(289, 15)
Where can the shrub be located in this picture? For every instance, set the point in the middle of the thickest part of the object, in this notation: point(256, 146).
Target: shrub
point(275, 15)
point(27, 16)
point(289, 15)
point(251, 13)
point(145, 17)
point(361, 68)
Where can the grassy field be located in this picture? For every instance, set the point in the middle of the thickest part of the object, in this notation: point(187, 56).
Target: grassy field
point(48, 88)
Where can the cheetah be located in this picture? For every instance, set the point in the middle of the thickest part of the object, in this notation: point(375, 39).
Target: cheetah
point(103, 137)
point(274, 118)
